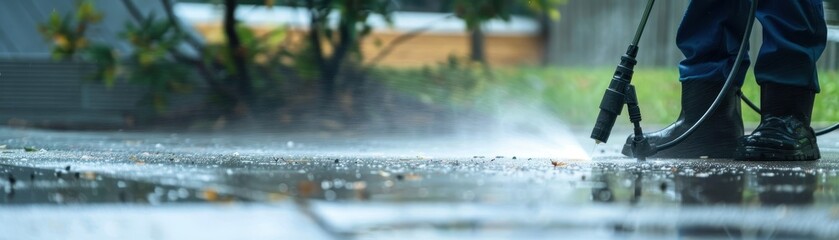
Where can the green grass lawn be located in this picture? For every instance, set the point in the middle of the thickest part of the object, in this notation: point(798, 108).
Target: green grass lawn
point(574, 94)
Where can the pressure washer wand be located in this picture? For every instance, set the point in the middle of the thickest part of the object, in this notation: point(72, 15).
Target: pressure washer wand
point(616, 95)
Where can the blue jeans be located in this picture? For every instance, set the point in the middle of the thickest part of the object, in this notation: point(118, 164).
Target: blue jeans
point(794, 37)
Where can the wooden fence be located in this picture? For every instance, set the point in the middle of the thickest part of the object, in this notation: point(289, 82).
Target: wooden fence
point(597, 32)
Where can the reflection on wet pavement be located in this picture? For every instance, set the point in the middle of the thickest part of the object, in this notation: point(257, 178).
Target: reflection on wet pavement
point(24, 185)
point(368, 189)
point(182, 221)
point(756, 187)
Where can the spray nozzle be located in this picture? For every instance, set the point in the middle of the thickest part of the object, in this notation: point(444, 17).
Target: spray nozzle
point(642, 148)
point(615, 96)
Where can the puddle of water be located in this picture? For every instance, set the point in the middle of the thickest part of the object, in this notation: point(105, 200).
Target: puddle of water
point(381, 188)
point(24, 185)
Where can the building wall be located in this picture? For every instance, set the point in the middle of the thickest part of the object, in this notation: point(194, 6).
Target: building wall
point(509, 50)
point(44, 92)
point(424, 49)
point(508, 43)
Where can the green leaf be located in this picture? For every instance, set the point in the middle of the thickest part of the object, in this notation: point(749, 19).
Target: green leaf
point(276, 37)
point(86, 12)
point(55, 20)
point(378, 42)
point(245, 33)
point(554, 14)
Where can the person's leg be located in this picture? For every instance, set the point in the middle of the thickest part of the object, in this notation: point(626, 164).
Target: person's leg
point(794, 37)
point(709, 36)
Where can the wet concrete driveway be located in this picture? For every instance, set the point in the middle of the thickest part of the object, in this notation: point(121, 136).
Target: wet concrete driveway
point(69, 185)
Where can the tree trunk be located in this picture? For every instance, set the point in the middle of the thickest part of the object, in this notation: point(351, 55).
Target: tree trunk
point(477, 42)
point(347, 41)
point(236, 51)
point(333, 67)
point(545, 23)
point(315, 21)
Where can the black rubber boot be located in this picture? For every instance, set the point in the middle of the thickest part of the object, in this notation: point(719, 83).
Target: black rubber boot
point(784, 133)
point(715, 138)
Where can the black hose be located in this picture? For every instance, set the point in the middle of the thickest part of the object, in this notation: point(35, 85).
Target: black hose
point(725, 88)
point(827, 130)
point(748, 102)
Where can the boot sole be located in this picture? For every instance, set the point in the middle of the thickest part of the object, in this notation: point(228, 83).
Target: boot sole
point(770, 154)
point(718, 150)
